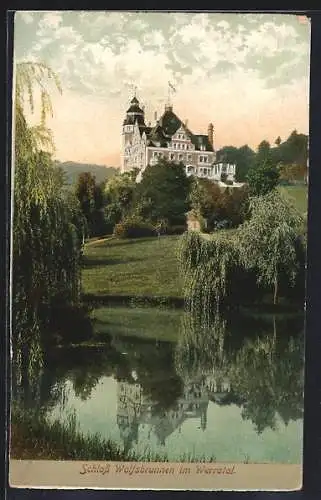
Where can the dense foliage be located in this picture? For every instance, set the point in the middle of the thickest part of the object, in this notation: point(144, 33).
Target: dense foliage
point(271, 240)
point(91, 199)
point(216, 205)
point(207, 267)
point(47, 222)
point(242, 157)
point(134, 228)
point(119, 194)
point(268, 248)
point(292, 151)
point(162, 194)
point(262, 178)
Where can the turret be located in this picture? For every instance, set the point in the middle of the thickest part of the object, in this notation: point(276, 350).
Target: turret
point(134, 113)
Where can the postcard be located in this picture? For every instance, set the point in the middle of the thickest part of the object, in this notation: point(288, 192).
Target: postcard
point(159, 219)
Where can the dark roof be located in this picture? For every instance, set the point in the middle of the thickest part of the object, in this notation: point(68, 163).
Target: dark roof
point(170, 123)
point(202, 139)
point(130, 120)
point(143, 128)
point(165, 128)
point(134, 108)
point(157, 134)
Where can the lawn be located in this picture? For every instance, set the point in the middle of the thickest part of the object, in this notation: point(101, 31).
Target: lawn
point(298, 195)
point(134, 267)
point(143, 322)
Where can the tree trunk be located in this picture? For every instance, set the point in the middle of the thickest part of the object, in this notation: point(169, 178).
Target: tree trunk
point(275, 298)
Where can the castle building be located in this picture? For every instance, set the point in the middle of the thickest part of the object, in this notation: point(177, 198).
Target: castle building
point(171, 139)
point(135, 409)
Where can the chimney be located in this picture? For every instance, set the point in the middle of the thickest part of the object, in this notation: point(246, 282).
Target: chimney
point(210, 133)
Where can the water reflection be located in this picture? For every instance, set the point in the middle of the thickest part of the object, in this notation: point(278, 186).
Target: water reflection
point(162, 388)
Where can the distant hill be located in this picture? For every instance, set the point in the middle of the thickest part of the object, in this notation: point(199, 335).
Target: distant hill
point(73, 169)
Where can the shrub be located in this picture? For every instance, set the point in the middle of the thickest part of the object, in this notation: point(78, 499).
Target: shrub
point(134, 228)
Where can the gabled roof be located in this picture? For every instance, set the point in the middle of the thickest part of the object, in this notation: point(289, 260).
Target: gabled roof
point(170, 122)
point(157, 134)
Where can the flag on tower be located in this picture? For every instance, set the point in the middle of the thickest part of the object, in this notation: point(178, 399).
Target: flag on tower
point(171, 87)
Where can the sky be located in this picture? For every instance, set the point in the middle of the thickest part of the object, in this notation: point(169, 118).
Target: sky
point(248, 74)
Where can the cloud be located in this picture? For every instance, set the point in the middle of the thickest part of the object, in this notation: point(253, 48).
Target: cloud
point(51, 20)
point(226, 66)
point(26, 17)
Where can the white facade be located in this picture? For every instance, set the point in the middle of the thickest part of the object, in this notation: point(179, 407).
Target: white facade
point(143, 146)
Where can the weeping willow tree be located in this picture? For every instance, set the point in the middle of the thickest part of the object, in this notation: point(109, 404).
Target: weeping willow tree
point(207, 267)
point(45, 247)
point(270, 240)
point(200, 349)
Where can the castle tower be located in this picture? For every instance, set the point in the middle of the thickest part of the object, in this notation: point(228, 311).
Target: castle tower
point(134, 114)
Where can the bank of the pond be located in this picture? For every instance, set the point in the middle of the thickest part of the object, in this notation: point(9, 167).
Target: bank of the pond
point(144, 272)
point(133, 300)
point(161, 324)
point(35, 437)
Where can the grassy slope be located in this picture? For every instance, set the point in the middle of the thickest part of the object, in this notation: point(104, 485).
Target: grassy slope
point(298, 195)
point(146, 266)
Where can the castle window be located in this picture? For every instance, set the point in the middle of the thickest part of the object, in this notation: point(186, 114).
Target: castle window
point(175, 145)
point(189, 157)
point(180, 157)
point(172, 156)
point(154, 154)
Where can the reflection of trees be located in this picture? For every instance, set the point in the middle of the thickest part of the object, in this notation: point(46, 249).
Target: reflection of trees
point(200, 348)
point(153, 364)
point(265, 370)
point(262, 361)
point(268, 376)
point(82, 366)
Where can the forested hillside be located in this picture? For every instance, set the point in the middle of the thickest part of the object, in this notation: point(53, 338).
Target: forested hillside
point(73, 169)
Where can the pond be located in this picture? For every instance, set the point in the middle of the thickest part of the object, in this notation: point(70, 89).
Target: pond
point(228, 390)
